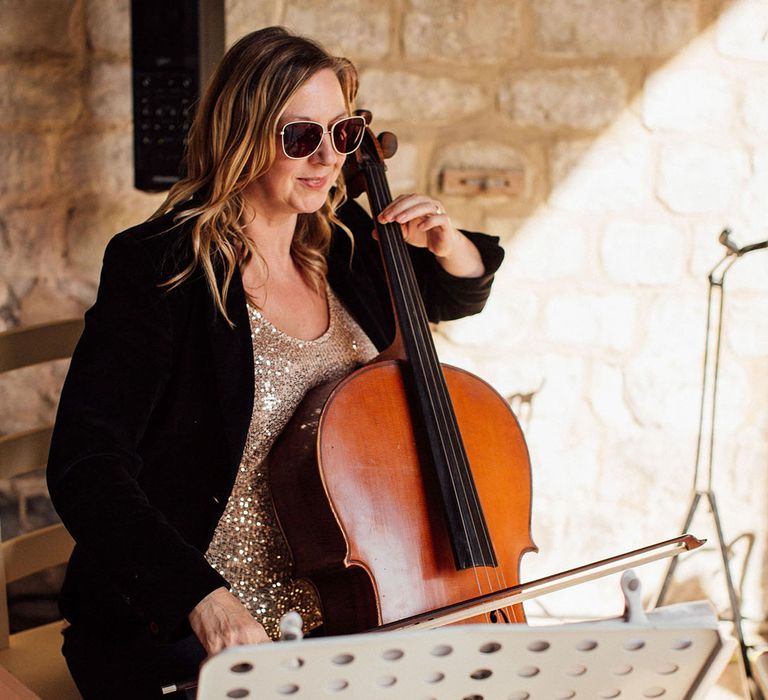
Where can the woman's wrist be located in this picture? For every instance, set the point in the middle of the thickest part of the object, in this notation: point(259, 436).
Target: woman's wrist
point(463, 258)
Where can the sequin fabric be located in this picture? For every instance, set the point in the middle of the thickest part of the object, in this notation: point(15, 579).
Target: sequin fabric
point(248, 547)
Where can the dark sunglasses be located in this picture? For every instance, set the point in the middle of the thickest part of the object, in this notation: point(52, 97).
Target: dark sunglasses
point(302, 139)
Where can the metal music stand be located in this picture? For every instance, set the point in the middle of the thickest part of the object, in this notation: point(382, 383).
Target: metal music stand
point(675, 652)
point(702, 489)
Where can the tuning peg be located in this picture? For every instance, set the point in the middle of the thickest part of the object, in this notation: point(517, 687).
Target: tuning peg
point(365, 114)
point(388, 143)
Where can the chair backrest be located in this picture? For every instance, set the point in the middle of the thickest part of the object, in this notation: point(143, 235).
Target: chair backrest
point(42, 342)
point(26, 451)
point(29, 554)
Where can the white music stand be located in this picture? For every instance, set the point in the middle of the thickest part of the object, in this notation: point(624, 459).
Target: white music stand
point(676, 652)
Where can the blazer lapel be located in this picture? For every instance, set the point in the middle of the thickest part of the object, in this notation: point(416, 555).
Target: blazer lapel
point(232, 354)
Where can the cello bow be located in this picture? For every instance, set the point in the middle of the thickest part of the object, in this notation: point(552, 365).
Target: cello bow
point(548, 584)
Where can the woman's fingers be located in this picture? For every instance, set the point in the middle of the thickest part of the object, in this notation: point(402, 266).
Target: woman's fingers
point(220, 620)
point(423, 221)
point(406, 208)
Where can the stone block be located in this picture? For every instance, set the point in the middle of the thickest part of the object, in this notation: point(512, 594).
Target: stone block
point(562, 381)
point(610, 175)
point(750, 274)
point(403, 96)
point(548, 247)
point(756, 105)
point(566, 463)
point(30, 396)
point(662, 392)
point(94, 219)
point(358, 29)
point(480, 155)
point(747, 217)
point(701, 178)
point(665, 392)
point(672, 335)
point(462, 31)
point(31, 242)
point(751, 458)
point(45, 302)
point(403, 171)
point(739, 476)
point(513, 372)
point(576, 98)
point(745, 327)
point(606, 397)
point(464, 213)
point(108, 24)
point(688, 100)
point(108, 94)
point(78, 289)
point(645, 254)
point(43, 95)
point(625, 28)
point(599, 321)
point(245, 16)
point(32, 26)
point(741, 28)
point(658, 462)
point(508, 318)
point(505, 227)
point(577, 462)
point(97, 162)
point(28, 162)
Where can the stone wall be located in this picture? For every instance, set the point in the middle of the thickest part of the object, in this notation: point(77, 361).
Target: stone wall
point(640, 127)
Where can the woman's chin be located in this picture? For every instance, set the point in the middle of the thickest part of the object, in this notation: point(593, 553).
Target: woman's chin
point(313, 204)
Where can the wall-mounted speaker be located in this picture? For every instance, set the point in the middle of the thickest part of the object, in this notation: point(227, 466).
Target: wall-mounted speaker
point(175, 47)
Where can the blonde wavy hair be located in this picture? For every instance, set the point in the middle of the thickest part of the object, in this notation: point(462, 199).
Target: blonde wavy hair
point(232, 142)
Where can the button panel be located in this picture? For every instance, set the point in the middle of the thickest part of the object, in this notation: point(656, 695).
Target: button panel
point(163, 103)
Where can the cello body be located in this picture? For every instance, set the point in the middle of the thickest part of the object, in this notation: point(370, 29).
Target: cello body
point(358, 502)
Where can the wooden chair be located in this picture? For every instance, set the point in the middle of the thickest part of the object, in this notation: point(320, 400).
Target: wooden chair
point(33, 656)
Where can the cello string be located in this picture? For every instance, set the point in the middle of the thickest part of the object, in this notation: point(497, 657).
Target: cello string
point(389, 246)
point(448, 419)
point(465, 524)
point(445, 414)
point(441, 386)
point(451, 424)
point(448, 415)
point(426, 348)
point(438, 381)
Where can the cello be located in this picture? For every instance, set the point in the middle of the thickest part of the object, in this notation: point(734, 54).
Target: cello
point(406, 487)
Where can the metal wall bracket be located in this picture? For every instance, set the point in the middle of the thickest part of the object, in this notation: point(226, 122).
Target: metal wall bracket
point(470, 182)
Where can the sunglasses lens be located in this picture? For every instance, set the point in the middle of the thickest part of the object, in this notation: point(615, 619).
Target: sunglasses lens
point(348, 134)
point(300, 139)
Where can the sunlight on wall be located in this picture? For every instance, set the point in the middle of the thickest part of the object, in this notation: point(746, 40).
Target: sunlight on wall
point(602, 304)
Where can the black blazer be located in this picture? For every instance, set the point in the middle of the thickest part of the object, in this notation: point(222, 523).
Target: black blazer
point(156, 407)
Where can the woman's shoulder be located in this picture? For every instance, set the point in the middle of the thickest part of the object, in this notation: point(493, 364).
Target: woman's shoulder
point(162, 243)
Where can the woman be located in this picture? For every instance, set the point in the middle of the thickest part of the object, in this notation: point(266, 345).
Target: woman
point(251, 284)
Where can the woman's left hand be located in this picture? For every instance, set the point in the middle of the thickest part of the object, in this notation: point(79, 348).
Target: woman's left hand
point(425, 224)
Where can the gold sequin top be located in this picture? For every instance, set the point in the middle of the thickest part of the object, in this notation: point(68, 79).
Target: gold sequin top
point(248, 547)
